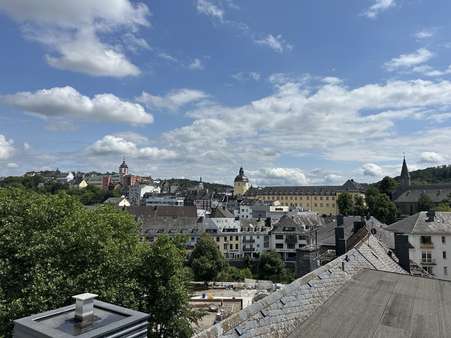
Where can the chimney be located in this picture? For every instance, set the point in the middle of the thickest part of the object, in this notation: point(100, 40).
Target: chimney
point(340, 242)
point(84, 307)
point(431, 216)
point(402, 250)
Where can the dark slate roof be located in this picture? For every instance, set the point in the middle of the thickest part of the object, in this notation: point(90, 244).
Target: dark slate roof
point(380, 304)
point(349, 186)
point(299, 221)
point(284, 311)
point(221, 212)
point(419, 223)
point(437, 193)
point(241, 177)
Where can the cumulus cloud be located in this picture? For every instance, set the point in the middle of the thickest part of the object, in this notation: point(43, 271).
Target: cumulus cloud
point(372, 170)
point(210, 9)
point(378, 7)
point(275, 42)
point(12, 165)
point(279, 176)
point(6, 148)
point(68, 102)
point(71, 31)
point(196, 65)
point(121, 145)
point(246, 76)
point(431, 157)
point(173, 100)
point(424, 34)
point(405, 61)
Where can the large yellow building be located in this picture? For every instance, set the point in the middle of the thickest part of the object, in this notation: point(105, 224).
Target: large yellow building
point(320, 199)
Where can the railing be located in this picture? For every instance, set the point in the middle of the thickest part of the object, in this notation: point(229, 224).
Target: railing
point(428, 262)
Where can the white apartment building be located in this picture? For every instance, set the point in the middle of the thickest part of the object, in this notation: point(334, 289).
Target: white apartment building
point(255, 238)
point(430, 237)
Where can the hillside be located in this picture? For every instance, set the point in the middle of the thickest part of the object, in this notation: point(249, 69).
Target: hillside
point(184, 184)
point(441, 174)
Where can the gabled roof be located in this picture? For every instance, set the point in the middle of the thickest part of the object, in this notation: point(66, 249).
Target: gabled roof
point(436, 192)
point(300, 221)
point(284, 311)
point(420, 223)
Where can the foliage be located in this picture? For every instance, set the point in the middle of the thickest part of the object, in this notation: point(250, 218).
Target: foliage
point(206, 260)
point(88, 196)
point(440, 174)
point(234, 274)
point(359, 207)
point(163, 289)
point(52, 247)
point(345, 204)
point(387, 185)
point(271, 267)
point(443, 206)
point(380, 206)
point(425, 203)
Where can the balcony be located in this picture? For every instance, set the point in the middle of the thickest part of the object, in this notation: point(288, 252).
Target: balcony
point(426, 246)
point(428, 262)
point(248, 240)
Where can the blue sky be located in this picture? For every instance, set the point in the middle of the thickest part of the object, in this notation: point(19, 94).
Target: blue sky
point(298, 92)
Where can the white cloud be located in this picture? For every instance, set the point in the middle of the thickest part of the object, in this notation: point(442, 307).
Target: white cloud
point(424, 34)
point(12, 165)
point(174, 100)
point(26, 146)
point(6, 147)
point(378, 7)
point(70, 29)
point(276, 43)
point(196, 65)
point(208, 8)
point(245, 76)
point(405, 61)
point(121, 145)
point(372, 170)
point(279, 176)
point(66, 101)
point(431, 157)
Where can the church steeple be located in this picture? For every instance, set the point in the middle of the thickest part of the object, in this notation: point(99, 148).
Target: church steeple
point(405, 176)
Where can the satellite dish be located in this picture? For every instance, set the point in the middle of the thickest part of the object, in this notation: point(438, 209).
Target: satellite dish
point(373, 231)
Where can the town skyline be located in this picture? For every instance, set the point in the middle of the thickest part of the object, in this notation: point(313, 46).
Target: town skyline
point(336, 92)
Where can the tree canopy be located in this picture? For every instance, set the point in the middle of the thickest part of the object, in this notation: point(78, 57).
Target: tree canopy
point(380, 206)
point(345, 204)
point(52, 247)
point(271, 267)
point(206, 260)
point(425, 203)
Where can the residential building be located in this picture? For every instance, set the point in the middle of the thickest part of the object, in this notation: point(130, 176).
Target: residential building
point(241, 184)
point(293, 232)
point(151, 200)
point(429, 238)
point(255, 238)
point(120, 202)
point(136, 192)
point(319, 199)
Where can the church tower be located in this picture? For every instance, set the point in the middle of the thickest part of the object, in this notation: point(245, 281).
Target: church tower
point(405, 176)
point(241, 184)
point(123, 169)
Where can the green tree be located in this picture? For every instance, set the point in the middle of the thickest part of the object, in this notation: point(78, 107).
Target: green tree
point(425, 203)
point(52, 247)
point(359, 208)
point(380, 206)
point(271, 267)
point(345, 204)
point(234, 274)
point(388, 185)
point(163, 291)
point(443, 206)
point(206, 260)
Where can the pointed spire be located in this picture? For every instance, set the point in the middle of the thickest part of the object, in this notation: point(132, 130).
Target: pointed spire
point(405, 175)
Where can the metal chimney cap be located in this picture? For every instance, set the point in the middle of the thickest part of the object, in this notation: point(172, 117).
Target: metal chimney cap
point(85, 296)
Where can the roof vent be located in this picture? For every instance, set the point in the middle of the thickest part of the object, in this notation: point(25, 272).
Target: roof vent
point(84, 307)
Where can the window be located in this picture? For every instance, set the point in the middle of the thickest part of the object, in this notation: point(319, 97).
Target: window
point(426, 240)
point(445, 270)
point(279, 245)
point(429, 269)
point(443, 240)
point(217, 239)
point(279, 236)
point(291, 246)
point(225, 239)
point(236, 238)
point(236, 246)
point(231, 246)
point(426, 257)
point(225, 246)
